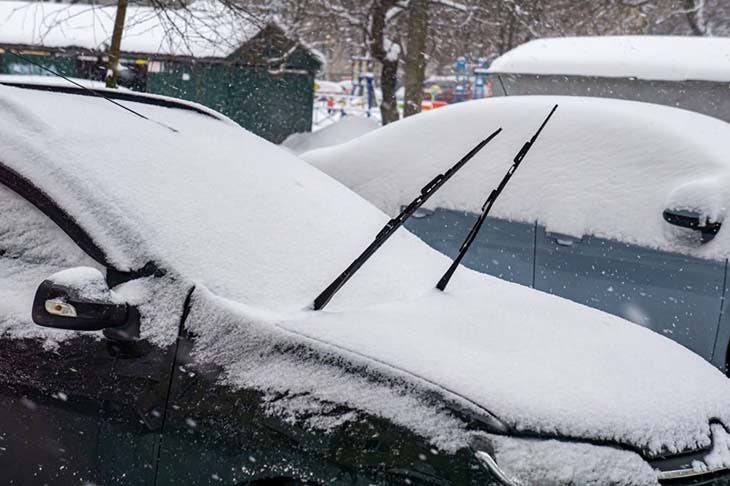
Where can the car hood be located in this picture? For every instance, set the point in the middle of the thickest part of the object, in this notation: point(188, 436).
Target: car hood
point(540, 363)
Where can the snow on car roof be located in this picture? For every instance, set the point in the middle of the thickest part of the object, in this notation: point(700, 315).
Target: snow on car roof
point(340, 131)
point(601, 167)
point(205, 28)
point(246, 221)
point(670, 58)
point(56, 83)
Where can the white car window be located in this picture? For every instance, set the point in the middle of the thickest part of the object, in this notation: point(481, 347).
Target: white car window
point(32, 247)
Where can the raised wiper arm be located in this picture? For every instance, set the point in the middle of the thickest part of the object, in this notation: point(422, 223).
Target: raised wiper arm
point(395, 223)
point(441, 285)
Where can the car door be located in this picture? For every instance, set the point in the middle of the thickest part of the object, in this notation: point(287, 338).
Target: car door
point(502, 248)
point(77, 408)
point(219, 434)
point(676, 295)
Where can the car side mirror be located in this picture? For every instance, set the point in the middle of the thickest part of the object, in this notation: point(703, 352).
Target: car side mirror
point(693, 220)
point(78, 299)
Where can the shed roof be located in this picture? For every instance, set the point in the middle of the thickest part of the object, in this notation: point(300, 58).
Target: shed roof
point(670, 58)
point(204, 29)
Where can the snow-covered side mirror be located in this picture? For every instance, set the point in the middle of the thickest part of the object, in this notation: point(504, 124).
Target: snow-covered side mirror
point(78, 299)
point(693, 220)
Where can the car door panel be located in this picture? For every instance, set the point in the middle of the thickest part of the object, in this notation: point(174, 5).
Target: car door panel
point(76, 407)
point(676, 295)
point(217, 434)
point(721, 353)
point(503, 248)
point(81, 411)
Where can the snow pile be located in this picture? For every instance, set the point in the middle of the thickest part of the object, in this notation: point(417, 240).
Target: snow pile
point(341, 131)
point(645, 57)
point(602, 167)
point(89, 282)
point(719, 456)
point(204, 28)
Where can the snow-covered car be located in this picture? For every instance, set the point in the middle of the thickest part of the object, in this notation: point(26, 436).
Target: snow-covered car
point(173, 261)
point(680, 71)
point(618, 206)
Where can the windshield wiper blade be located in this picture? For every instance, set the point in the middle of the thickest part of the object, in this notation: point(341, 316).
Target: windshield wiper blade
point(395, 223)
point(441, 285)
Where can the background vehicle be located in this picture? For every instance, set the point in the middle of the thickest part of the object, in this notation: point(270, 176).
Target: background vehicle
point(584, 217)
point(679, 71)
point(187, 269)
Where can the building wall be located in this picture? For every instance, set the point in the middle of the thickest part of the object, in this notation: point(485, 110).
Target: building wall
point(271, 105)
point(10, 64)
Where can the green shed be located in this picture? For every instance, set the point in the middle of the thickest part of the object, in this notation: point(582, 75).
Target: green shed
point(251, 72)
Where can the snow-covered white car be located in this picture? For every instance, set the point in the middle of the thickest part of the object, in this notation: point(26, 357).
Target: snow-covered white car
point(173, 261)
point(594, 213)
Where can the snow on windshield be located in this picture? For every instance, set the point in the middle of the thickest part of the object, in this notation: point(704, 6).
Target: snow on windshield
point(644, 57)
point(602, 167)
point(213, 202)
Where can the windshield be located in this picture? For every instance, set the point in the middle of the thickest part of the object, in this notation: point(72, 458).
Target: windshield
point(210, 201)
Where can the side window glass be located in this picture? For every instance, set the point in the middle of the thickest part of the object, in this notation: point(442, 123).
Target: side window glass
point(32, 247)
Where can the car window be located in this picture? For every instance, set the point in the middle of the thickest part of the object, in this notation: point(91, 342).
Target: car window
point(32, 247)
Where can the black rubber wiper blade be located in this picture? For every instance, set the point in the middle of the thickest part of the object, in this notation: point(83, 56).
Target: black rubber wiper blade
point(441, 285)
point(395, 223)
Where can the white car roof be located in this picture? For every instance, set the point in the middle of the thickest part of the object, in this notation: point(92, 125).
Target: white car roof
point(260, 233)
point(669, 58)
point(86, 86)
point(601, 167)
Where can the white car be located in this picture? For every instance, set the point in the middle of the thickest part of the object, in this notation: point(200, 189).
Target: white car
point(619, 205)
point(173, 261)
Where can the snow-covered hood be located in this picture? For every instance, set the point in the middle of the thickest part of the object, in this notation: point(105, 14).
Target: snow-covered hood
point(540, 364)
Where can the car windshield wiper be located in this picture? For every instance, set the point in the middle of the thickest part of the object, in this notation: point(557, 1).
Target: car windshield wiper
point(441, 285)
point(395, 223)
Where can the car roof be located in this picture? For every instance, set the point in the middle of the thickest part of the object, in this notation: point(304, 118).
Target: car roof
point(668, 58)
point(86, 87)
point(601, 167)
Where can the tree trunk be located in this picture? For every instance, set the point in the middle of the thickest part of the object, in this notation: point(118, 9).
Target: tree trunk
point(415, 56)
point(389, 63)
point(388, 82)
point(112, 72)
